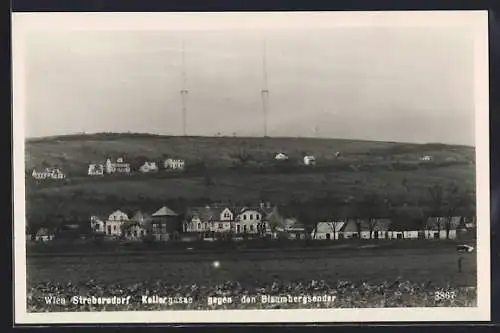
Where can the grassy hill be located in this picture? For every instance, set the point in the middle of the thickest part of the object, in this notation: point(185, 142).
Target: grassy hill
point(235, 169)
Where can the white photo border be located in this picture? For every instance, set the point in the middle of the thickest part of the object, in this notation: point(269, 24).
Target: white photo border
point(22, 23)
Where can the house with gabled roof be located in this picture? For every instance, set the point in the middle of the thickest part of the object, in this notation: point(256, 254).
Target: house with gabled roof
point(98, 224)
point(327, 230)
point(201, 219)
point(442, 227)
point(44, 235)
point(351, 229)
point(115, 222)
point(148, 166)
point(375, 228)
point(138, 226)
point(410, 228)
point(165, 224)
point(250, 221)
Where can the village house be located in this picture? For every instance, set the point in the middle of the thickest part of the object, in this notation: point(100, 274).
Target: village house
point(409, 229)
point(442, 227)
point(426, 158)
point(149, 167)
point(137, 227)
point(351, 229)
point(96, 169)
point(281, 157)
point(309, 160)
point(199, 220)
point(291, 229)
point(250, 221)
point(114, 224)
point(165, 224)
point(376, 228)
point(98, 224)
point(44, 235)
point(174, 164)
point(117, 167)
point(327, 230)
point(48, 173)
point(470, 222)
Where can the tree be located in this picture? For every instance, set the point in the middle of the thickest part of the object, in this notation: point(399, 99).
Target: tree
point(460, 202)
point(436, 194)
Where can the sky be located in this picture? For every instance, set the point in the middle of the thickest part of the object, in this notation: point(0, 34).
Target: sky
point(387, 83)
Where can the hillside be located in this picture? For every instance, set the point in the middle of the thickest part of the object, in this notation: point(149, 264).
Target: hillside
point(234, 169)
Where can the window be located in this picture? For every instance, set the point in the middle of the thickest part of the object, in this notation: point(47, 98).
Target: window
point(251, 227)
point(257, 217)
point(114, 228)
point(244, 216)
point(251, 217)
point(135, 233)
point(109, 229)
point(220, 225)
point(199, 225)
point(238, 228)
point(244, 228)
point(327, 236)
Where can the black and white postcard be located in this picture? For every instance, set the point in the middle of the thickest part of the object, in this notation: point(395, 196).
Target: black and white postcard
point(251, 167)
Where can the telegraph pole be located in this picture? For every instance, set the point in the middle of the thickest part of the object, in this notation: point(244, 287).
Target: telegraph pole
point(265, 90)
point(184, 93)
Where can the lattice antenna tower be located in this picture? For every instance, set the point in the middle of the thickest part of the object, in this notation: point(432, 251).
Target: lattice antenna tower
point(184, 91)
point(265, 89)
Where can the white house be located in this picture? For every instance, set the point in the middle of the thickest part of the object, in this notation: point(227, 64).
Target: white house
point(97, 224)
point(96, 169)
point(291, 228)
point(115, 222)
point(174, 164)
point(442, 227)
point(136, 228)
point(119, 166)
point(199, 220)
point(309, 160)
point(148, 167)
point(280, 157)
point(48, 173)
point(410, 229)
point(327, 230)
point(44, 235)
point(426, 158)
point(250, 221)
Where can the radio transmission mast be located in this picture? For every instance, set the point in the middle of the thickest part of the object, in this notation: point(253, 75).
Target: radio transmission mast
point(265, 90)
point(184, 92)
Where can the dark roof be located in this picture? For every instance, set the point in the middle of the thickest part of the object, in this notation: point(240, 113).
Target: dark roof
point(414, 224)
point(206, 214)
point(379, 224)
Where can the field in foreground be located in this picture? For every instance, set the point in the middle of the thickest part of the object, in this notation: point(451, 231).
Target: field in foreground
point(363, 278)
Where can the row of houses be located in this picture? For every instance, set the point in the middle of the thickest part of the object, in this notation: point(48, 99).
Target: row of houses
point(210, 222)
point(206, 222)
point(264, 220)
point(120, 166)
point(48, 173)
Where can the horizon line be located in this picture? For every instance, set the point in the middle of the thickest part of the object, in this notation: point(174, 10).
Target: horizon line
point(36, 138)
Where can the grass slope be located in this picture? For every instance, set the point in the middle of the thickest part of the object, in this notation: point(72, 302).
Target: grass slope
point(386, 168)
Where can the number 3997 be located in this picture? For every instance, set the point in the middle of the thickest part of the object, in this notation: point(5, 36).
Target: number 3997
point(444, 295)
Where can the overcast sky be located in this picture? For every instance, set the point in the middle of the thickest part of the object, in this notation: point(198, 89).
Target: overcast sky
point(412, 84)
